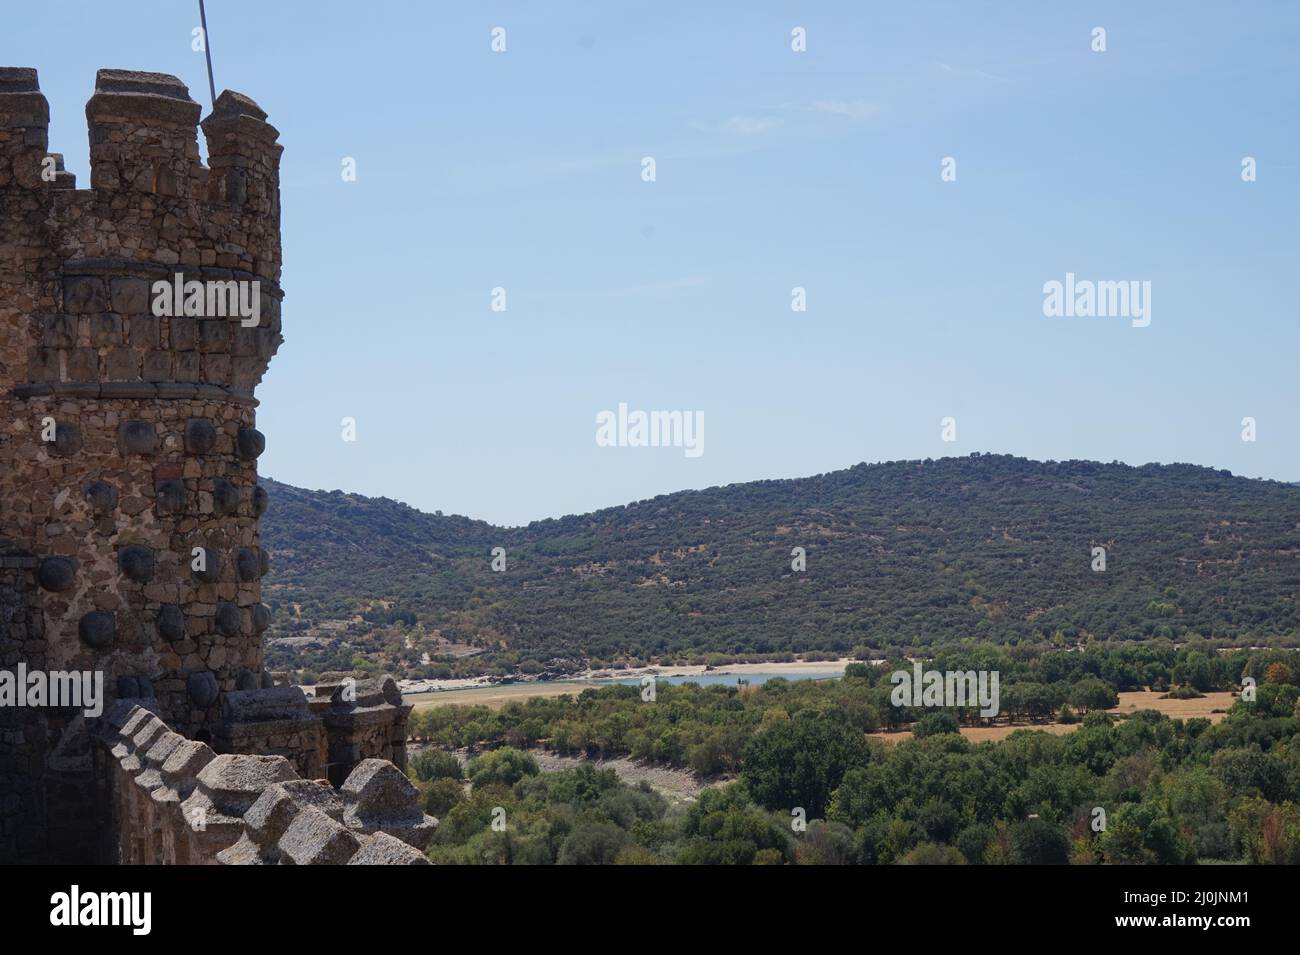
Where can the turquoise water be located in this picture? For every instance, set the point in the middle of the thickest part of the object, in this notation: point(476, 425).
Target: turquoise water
point(705, 679)
point(714, 679)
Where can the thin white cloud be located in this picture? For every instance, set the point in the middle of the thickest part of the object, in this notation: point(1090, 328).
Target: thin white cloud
point(949, 68)
point(752, 125)
point(854, 109)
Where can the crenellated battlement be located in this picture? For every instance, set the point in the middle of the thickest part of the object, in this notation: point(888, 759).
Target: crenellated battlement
point(81, 263)
point(146, 177)
point(143, 136)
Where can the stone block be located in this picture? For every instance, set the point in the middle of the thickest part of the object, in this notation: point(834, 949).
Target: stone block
point(145, 331)
point(60, 331)
point(214, 335)
point(383, 849)
point(84, 295)
point(187, 366)
point(105, 329)
point(83, 364)
point(122, 364)
point(313, 838)
point(130, 296)
point(157, 365)
point(184, 333)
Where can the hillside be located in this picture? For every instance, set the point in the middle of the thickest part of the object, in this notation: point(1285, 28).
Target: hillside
point(987, 546)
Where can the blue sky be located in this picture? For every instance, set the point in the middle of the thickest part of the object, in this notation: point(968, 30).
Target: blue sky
point(775, 169)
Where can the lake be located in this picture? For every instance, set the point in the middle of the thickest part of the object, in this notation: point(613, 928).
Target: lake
point(716, 679)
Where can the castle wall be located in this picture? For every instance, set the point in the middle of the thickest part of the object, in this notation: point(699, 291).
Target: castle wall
point(22, 738)
point(128, 448)
point(176, 802)
point(363, 719)
point(129, 505)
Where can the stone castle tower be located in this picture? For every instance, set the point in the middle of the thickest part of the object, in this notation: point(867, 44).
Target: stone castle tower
point(129, 500)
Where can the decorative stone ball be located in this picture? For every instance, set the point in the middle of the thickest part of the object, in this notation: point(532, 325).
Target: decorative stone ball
point(203, 688)
point(136, 561)
point(171, 622)
point(138, 437)
point(171, 496)
point(261, 617)
point(228, 618)
point(100, 496)
point(211, 571)
point(264, 561)
point(97, 629)
point(225, 496)
point(268, 681)
point(247, 564)
point(391, 692)
point(260, 500)
point(247, 680)
point(57, 573)
point(251, 443)
point(67, 439)
point(200, 435)
point(135, 687)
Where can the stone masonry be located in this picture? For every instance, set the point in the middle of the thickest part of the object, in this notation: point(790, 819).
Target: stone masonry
point(129, 500)
point(176, 802)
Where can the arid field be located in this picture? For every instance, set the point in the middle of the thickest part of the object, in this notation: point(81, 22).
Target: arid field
point(1128, 703)
point(493, 697)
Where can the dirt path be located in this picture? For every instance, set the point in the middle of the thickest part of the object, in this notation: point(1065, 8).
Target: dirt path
point(676, 785)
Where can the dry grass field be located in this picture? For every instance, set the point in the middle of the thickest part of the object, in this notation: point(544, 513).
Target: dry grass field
point(494, 698)
point(1177, 709)
point(497, 697)
point(1128, 703)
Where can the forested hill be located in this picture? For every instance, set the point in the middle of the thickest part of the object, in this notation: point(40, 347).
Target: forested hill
point(986, 546)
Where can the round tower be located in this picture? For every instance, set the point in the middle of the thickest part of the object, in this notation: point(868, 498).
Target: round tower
point(137, 318)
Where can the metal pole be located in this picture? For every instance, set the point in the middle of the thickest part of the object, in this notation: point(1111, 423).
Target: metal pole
point(207, 52)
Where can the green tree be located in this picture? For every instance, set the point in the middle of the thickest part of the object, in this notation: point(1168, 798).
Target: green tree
point(928, 853)
point(1093, 694)
point(1142, 833)
point(433, 764)
point(825, 843)
point(724, 828)
point(799, 763)
point(932, 724)
point(438, 796)
point(505, 766)
point(597, 843)
point(1038, 842)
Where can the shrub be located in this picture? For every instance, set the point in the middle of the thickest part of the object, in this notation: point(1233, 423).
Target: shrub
point(436, 764)
point(505, 766)
point(439, 796)
point(1038, 842)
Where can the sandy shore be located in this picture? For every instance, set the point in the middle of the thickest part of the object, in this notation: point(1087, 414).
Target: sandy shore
point(731, 669)
point(426, 693)
point(493, 697)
